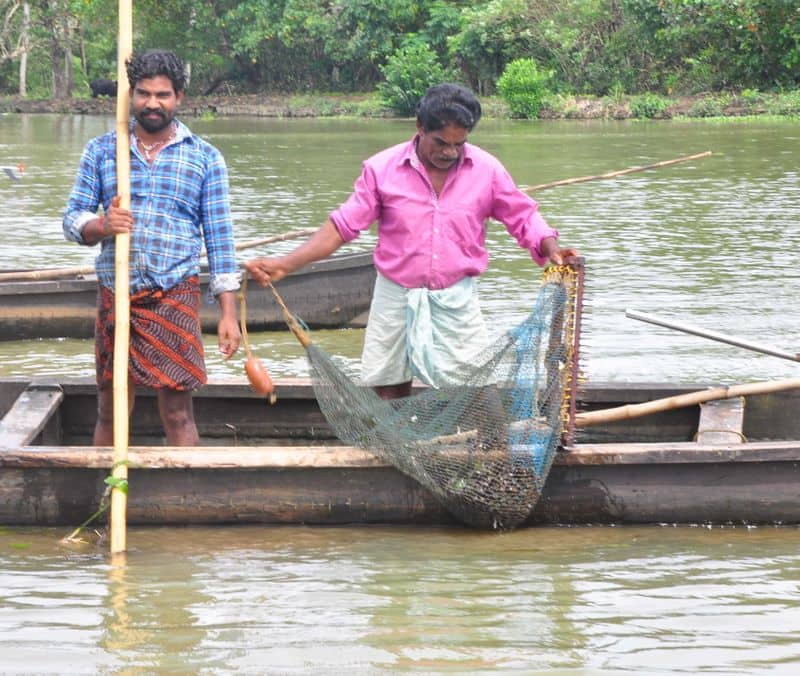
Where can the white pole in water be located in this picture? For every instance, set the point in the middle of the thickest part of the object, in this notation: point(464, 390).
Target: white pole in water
point(713, 335)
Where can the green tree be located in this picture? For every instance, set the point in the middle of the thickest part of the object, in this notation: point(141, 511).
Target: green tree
point(524, 87)
point(409, 72)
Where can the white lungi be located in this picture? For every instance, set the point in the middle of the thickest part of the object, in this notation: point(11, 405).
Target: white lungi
point(434, 335)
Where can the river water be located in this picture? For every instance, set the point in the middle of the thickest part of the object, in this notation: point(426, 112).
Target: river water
point(711, 242)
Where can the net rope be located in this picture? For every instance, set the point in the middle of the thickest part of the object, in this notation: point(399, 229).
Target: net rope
point(483, 448)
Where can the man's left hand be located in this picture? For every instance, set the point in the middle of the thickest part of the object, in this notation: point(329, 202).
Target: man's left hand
point(555, 254)
point(565, 256)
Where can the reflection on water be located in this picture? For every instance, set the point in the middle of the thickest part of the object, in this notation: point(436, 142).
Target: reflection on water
point(711, 242)
point(361, 600)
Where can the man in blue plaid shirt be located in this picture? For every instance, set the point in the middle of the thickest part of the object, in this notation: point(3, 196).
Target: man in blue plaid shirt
point(179, 202)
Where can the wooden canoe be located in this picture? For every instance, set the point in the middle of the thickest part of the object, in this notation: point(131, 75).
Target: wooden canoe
point(332, 293)
point(738, 464)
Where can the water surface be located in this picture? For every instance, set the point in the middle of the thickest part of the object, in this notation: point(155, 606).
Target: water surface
point(283, 600)
point(712, 242)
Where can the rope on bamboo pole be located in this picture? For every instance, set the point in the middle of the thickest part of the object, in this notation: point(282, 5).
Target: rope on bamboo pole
point(117, 519)
point(612, 174)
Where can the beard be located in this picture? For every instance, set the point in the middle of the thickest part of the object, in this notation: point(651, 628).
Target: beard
point(153, 125)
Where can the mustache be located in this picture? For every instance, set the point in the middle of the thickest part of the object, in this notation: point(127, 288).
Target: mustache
point(153, 111)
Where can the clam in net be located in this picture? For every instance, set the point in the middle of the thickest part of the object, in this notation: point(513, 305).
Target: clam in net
point(484, 448)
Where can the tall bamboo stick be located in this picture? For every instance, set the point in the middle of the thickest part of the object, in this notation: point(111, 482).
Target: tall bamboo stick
point(121, 286)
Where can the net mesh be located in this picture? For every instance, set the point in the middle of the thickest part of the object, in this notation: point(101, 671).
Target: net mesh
point(483, 448)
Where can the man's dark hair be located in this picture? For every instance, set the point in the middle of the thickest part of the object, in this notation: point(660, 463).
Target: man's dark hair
point(153, 63)
point(448, 103)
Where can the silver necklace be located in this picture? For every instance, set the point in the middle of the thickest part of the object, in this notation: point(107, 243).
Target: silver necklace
point(148, 148)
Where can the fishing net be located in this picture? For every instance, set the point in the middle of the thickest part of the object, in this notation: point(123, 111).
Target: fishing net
point(483, 448)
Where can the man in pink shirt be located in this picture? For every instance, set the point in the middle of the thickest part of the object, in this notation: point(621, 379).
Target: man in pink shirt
point(431, 197)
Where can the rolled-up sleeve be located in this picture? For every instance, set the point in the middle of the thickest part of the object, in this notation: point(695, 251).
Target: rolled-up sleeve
point(520, 214)
point(85, 196)
point(361, 209)
point(218, 227)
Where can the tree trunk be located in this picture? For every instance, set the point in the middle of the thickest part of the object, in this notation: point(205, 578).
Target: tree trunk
point(68, 74)
point(23, 58)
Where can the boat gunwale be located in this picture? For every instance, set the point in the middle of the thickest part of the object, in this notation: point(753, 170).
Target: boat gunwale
point(281, 457)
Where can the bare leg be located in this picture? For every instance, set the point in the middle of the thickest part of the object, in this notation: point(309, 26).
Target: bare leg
point(393, 391)
point(104, 427)
point(177, 417)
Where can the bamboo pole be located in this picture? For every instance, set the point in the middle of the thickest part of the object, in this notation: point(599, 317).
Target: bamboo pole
point(121, 284)
point(612, 174)
point(65, 273)
point(682, 400)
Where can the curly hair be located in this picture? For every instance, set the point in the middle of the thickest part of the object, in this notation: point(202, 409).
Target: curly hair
point(153, 63)
point(448, 103)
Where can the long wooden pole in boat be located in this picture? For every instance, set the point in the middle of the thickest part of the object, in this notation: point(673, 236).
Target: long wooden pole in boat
point(682, 400)
point(613, 174)
point(61, 273)
point(122, 244)
point(712, 335)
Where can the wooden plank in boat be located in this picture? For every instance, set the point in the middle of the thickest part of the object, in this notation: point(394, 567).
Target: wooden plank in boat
point(673, 453)
point(721, 422)
point(29, 414)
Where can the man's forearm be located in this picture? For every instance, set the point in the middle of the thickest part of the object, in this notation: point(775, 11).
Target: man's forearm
point(320, 245)
point(227, 305)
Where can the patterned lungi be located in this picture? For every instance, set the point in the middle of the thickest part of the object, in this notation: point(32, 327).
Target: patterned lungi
point(166, 348)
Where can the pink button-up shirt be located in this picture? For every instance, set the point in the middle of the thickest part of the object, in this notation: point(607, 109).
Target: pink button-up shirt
point(431, 241)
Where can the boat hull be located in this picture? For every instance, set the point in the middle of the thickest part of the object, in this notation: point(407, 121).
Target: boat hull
point(281, 465)
point(331, 293)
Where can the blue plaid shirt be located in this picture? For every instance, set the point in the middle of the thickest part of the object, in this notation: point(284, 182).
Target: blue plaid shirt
point(179, 203)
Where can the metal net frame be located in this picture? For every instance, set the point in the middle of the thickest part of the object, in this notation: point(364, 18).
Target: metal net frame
point(484, 448)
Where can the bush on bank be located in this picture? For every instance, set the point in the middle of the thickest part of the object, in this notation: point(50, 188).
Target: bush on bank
point(371, 105)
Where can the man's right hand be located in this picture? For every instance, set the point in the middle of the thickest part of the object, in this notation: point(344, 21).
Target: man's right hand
point(117, 220)
point(265, 270)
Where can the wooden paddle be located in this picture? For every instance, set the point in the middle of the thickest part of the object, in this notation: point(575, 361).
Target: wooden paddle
point(67, 273)
point(612, 174)
point(122, 244)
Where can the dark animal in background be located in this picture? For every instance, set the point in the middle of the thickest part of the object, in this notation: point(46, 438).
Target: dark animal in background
point(103, 87)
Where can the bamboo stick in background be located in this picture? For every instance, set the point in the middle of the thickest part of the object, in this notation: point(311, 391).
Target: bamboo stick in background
point(122, 244)
point(612, 174)
point(682, 400)
point(66, 273)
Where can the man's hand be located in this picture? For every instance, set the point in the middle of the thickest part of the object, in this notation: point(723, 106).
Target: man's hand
point(117, 221)
point(265, 270)
point(564, 256)
point(556, 255)
point(228, 328)
point(229, 336)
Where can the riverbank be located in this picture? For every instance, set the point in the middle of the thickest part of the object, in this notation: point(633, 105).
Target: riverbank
point(648, 106)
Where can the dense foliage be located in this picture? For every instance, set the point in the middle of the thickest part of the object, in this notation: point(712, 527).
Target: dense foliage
point(598, 47)
point(524, 87)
